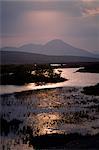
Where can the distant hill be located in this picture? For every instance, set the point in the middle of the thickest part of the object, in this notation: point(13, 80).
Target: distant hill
point(10, 57)
point(53, 48)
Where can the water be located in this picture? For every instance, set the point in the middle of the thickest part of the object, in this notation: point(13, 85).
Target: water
point(62, 110)
point(74, 79)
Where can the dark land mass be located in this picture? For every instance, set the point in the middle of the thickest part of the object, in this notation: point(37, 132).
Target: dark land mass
point(92, 90)
point(93, 68)
point(10, 57)
point(22, 74)
point(8, 67)
point(61, 141)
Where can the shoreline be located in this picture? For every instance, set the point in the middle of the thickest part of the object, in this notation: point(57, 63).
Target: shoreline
point(41, 89)
point(86, 90)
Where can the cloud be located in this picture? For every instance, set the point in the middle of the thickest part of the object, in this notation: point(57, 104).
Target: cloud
point(20, 6)
point(88, 0)
point(89, 7)
point(88, 12)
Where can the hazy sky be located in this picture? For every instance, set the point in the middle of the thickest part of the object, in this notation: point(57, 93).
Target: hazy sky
point(38, 21)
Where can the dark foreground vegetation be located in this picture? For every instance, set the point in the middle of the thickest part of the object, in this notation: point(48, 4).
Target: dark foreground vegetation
point(92, 90)
point(22, 74)
point(50, 141)
point(7, 126)
point(25, 116)
point(62, 141)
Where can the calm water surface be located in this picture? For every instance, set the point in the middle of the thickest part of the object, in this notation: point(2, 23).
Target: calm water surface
point(74, 79)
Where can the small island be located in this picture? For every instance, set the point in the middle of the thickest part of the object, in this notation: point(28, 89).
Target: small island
point(92, 90)
point(91, 68)
point(23, 74)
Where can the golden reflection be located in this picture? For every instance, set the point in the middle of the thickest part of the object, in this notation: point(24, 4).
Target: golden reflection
point(47, 123)
point(49, 99)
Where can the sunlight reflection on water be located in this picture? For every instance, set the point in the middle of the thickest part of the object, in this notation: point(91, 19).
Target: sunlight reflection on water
point(61, 110)
point(74, 79)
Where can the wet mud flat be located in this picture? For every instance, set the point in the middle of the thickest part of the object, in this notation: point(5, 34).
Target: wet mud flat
point(51, 118)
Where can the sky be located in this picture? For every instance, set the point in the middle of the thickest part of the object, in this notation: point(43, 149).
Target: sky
point(38, 21)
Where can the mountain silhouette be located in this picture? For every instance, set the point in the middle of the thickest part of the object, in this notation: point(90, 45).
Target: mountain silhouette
point(54, 47)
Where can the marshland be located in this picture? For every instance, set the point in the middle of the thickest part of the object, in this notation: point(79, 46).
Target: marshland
point(53, 111)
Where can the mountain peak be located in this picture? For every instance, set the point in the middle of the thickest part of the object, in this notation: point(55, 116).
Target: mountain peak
point(55, 47)
point(55, 41)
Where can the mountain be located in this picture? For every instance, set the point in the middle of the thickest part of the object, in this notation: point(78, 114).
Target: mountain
point(53, 48)
point(61, 48)
point(10, 57)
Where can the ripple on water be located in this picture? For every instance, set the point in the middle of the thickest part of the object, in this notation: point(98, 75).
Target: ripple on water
point(61, 110)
